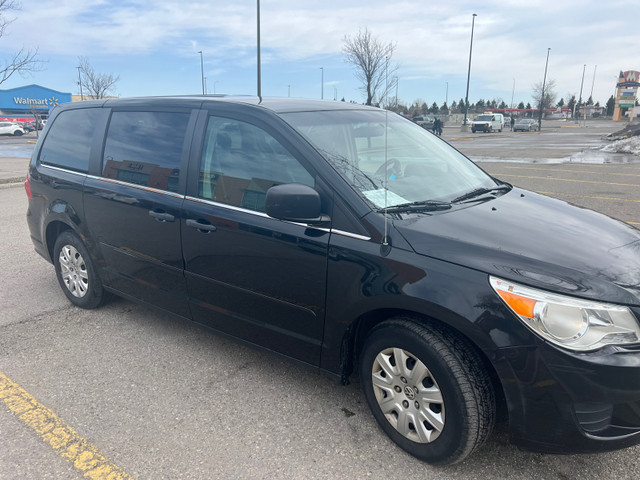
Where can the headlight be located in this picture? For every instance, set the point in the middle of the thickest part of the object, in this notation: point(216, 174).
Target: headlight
point(569, 322)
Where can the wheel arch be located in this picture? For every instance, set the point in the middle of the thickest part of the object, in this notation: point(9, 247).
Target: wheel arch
point(53, 231)
point(356, 336)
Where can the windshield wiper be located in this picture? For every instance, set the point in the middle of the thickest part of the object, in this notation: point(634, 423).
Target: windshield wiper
point(478, 192)
point(421, 206)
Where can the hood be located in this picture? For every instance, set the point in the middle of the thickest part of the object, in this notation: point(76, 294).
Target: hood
point(538, 241)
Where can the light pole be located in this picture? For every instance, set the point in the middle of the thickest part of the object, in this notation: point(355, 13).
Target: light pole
point(513, 91)
point(322, 83)
point(580, 98)
point(80, 83)
point(206, 89)
point(466, 98)
point(202, 70)
point(544, 81)
point(446, 95)
point(258, 42)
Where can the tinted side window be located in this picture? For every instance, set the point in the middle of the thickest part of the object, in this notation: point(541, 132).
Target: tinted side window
point(68, 143)
point(145, 148)
point(240, 162)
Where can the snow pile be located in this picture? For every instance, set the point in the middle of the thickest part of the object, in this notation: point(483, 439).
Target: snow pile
point(626, 140)
point(626, 145)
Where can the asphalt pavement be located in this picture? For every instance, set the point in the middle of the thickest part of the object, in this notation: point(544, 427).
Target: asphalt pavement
point(136, 393)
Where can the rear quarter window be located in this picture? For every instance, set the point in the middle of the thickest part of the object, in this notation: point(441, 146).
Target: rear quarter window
point(145, 148)
point(68, 141)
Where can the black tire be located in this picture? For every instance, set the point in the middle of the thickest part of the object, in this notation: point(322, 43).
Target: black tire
point(17, 133)
point(473, 131)
point(454, 398)
point(76, 273)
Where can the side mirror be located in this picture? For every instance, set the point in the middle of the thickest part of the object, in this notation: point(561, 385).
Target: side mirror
point(294, 202)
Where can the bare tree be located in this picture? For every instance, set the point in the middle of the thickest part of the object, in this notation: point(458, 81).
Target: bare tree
point(97, 85)
point(23, 62)
point(549, 100)
point(371, 59)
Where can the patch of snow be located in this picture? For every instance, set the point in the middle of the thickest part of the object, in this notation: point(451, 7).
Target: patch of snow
point(626, 145)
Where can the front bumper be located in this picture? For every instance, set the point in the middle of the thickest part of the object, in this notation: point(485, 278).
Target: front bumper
point(561, 402)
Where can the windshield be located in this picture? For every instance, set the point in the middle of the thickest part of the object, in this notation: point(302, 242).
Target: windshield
point(484, 118)
point(525, 121)
point(419, 167)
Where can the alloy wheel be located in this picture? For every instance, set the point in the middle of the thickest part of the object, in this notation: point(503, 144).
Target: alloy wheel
point(408, 395)
point(74, 271)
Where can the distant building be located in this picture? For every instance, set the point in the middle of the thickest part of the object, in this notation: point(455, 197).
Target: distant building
point(23, 102)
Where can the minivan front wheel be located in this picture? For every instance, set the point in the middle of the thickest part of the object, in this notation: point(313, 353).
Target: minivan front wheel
point(75, 271)
point(427, 389)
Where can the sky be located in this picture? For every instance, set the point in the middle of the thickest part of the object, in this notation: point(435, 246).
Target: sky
point(153, 46)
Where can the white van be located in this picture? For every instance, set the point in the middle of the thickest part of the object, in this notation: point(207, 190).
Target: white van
point(488, 122)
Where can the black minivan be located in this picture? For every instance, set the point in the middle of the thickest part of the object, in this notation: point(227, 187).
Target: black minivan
point(351, 240)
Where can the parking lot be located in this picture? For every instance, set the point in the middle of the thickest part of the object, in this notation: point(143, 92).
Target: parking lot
point(152, 397)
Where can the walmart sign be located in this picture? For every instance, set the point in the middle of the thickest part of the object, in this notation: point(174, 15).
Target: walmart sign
point(32, 96)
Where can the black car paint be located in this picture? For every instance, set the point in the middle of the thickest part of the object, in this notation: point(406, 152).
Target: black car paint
point(436, 269)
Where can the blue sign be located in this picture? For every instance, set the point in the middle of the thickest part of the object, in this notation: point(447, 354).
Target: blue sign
point(32, 97)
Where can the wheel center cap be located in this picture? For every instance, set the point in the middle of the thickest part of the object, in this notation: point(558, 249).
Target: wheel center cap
point(408, 391)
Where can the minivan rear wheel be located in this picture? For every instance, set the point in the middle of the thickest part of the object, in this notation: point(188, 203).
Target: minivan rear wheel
point(76, 273)
point(427, 389)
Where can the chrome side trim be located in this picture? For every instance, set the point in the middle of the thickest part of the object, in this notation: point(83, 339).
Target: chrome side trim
point(351, 235)
point(228, 207)
point(264, 215)
point(135, 185)
point(65, 170)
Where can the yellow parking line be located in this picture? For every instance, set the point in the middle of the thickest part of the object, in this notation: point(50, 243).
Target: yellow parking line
point(572, 171)
point(556, 194)
point(55, 433)
point(565, 180)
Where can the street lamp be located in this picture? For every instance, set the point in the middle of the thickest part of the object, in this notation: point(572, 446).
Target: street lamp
point(580, 98)
point(466, 98)
point(80, 83)
point(258, 44)
point(446, 95)
point(322, 83)
point(544, 81)
point(202, 70)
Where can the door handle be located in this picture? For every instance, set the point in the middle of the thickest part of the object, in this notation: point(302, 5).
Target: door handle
point(202, 227)
point(162, 216)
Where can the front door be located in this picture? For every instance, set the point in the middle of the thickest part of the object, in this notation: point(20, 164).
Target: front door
point(249, 275)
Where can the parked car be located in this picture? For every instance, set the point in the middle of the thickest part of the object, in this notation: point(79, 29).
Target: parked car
point(10, 128)
point(28, 126)
point(488, 122)
point(526, 125)
point(424, 121)
point(354, 242)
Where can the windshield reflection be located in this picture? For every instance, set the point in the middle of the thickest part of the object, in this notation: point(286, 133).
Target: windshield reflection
point(387, 158)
